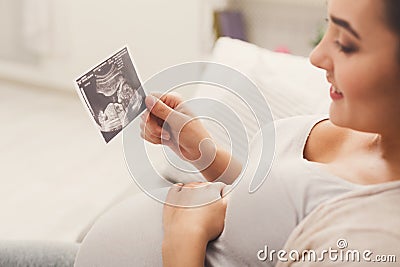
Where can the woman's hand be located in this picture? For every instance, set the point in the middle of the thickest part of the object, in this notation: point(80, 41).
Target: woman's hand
point(167, 121)
point(187, 230)
point(197, 208)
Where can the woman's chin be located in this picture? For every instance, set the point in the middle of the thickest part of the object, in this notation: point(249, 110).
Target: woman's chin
point(335, 117)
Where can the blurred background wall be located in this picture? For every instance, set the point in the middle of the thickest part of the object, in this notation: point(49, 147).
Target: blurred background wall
point(52, 41)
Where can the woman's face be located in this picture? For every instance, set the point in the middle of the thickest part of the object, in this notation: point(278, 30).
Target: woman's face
point(360, 55)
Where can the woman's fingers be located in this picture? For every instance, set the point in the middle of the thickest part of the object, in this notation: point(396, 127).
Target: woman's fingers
point(226, 190)
point(152, 129)
point(176, 187)
point(195, 194)
point(151, 139)
point(145, 116)
point(171, 99)
point(196, 184)
point(151, 126)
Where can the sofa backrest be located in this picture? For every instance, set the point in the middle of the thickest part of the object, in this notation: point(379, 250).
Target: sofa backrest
point(290, 84)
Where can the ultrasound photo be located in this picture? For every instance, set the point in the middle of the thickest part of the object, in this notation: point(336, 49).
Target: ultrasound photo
point(113, 93)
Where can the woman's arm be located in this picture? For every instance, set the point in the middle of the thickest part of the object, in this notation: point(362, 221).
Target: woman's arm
point(223, 168)
point(168, 122)
point(187, 230)
point(181, 251)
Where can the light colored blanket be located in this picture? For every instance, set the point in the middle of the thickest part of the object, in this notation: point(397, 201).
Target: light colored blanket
point(364, 223)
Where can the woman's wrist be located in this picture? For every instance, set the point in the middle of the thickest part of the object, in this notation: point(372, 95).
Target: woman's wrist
point(184, 250)
point(223, 167)
point(183, 235)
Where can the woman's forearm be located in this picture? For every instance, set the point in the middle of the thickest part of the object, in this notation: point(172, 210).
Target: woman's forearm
point(223, 168)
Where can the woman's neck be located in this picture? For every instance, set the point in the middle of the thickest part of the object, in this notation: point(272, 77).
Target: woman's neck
point(387, 151)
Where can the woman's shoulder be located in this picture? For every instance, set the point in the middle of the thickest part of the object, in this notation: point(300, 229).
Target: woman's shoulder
point(325, 141)
point(315, 136)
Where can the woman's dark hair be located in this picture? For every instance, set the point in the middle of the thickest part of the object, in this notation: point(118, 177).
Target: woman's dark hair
point(393, 14)
point(392, 10)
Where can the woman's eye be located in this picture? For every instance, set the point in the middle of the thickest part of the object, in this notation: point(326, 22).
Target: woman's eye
point(345, 49)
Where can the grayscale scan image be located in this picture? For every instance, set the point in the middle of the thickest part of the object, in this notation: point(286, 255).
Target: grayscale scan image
point(113, 94)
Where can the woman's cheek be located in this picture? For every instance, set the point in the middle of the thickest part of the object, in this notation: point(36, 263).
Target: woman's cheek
point(356, 81)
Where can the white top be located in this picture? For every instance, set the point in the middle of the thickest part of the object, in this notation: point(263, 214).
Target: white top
point(359, 221)
point(131, 233)
point(293, 188)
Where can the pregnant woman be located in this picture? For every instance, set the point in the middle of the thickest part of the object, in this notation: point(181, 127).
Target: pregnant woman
point(316, 159)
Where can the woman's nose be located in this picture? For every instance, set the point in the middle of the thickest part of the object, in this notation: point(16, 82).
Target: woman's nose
point(320, 56)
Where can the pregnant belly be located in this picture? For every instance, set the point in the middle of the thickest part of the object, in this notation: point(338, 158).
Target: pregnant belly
point(130, 234)
point(253, 221)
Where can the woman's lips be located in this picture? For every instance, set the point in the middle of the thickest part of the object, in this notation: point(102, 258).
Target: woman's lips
point(335, 95)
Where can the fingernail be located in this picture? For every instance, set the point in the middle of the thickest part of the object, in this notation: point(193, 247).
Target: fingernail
point(165, 135)
point(150, 101)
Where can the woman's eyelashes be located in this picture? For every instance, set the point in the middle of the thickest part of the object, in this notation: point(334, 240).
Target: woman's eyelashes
point(347, 49)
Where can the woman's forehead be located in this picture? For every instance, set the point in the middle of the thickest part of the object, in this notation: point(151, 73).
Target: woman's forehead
point(362, 15)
